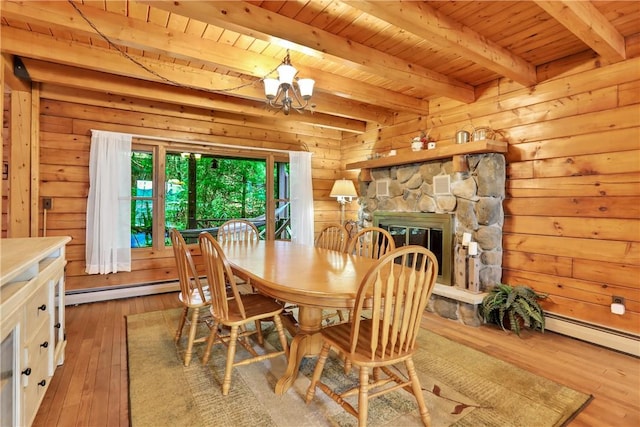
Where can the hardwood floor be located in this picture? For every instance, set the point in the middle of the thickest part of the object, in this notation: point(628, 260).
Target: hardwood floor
point(90, 389)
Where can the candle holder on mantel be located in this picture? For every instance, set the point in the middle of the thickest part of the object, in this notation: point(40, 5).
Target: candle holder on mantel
point(416, 144)
point(460, 262)
point(473, 268)
point(467, 265)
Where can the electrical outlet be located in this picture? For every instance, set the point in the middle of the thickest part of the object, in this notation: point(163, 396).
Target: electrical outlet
point(47, 203)
point(617, 300)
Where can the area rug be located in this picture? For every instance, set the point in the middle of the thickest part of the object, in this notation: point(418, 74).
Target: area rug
point(461, 386)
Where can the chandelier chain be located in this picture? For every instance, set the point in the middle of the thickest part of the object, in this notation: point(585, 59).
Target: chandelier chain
point(153, 72)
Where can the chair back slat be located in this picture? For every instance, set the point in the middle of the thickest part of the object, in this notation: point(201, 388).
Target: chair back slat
point(371, 242)
point(237, 230)
point(396, 290)
point(334, 237)
point(220, 276)
point(187, 272)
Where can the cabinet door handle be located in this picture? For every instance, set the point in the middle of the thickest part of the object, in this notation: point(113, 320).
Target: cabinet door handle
point(57, 325)
point(27, 372)
point(45, 344)
point(43, 307)
point(42, 383)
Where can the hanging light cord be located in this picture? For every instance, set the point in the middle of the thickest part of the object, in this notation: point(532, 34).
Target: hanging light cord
point(149, 70)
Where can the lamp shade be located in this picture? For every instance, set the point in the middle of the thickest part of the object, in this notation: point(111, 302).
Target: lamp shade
point(286, 73)
point(306, 88)
point(271, 87)
point(343, 188)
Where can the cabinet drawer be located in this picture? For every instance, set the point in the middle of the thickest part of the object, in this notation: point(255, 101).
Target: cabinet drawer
point(34, 391)
point(40, 348)
point(38, 311)
point(35, 385)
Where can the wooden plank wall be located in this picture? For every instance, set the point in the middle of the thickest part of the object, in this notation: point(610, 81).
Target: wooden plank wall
point(6, 99)
point(572, 212)
point(68, 115)
point(572, 226)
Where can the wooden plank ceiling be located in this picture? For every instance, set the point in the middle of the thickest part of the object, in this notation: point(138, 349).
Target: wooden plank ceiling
point(370, 59)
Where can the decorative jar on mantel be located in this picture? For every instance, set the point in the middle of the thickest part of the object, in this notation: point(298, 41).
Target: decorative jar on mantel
point(416, 144)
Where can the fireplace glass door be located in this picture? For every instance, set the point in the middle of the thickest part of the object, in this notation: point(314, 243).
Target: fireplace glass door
point(432, 231)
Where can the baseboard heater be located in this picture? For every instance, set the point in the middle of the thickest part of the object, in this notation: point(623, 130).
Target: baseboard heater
point(606, 337)
point(104, 294)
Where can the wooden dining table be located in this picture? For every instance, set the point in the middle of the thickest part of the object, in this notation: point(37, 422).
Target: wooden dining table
point(311, 278)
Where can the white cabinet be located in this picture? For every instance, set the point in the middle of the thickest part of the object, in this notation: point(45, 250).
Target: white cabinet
point(32, 323)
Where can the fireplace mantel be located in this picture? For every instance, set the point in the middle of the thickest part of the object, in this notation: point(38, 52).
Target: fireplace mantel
point(454, 150)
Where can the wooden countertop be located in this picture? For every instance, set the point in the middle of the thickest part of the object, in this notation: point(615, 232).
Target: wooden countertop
point(20, 255)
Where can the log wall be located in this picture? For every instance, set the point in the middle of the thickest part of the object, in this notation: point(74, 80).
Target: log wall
point(572, 215)
point(66, 119)
point(572, 212)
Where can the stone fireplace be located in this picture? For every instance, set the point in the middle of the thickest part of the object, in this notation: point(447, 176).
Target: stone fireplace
point(471, 198)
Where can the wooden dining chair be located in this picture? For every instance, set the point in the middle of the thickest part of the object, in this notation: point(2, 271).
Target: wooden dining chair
point(334, 237)
point(194, 296)
point(371, 242)
point(389, 306)
point(237, 230)
point(235, 312)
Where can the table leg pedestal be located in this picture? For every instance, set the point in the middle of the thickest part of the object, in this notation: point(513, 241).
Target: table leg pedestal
point(308, 342)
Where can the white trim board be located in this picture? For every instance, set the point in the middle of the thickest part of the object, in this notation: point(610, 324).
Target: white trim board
point(74, 298)
point(616, 340)
point(624, 342)
point(613, 339)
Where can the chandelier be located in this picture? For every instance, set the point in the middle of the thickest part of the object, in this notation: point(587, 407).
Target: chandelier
point(281, 92)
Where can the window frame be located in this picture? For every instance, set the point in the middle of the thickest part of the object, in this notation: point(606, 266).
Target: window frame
point(159, 149)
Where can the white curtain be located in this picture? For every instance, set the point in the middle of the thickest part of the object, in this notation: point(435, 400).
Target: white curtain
point(301, 198)
point(108, 245)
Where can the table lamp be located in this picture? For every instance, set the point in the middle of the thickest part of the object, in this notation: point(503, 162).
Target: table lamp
point(344, 191)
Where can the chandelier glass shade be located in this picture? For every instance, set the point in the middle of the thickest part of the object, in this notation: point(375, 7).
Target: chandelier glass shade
point(287, 93)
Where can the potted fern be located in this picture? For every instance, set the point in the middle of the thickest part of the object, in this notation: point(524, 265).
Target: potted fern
point(513, 307)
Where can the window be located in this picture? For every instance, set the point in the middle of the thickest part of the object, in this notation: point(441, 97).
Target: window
point(203, 190)
point(141, 199)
